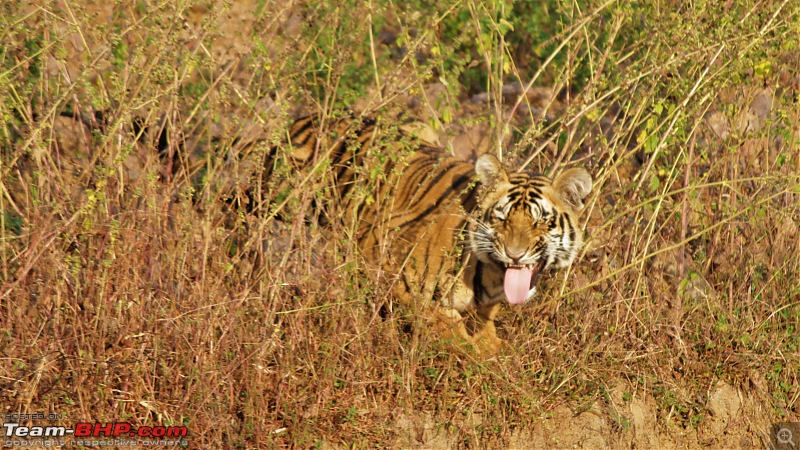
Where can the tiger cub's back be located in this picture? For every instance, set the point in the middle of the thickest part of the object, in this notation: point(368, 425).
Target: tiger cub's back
point(406, 199)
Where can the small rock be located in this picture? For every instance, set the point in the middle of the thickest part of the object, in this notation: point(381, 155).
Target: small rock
point(718, 124)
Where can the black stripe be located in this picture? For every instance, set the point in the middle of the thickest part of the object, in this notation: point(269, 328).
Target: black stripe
point(348, 155)
point(462, 180)
point(406, 283)
point(477, 282)
point(572, 232)
point(428, 185)
point(303, 139)
point(425, 186)
point(469, 198)
point(414, 174)
point(515, 196)
point(269, 164)
point(344, 188)
point(561, 221)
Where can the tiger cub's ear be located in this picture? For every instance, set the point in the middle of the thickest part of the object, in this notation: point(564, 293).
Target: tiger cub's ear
point(490, 169)
point(573, 185)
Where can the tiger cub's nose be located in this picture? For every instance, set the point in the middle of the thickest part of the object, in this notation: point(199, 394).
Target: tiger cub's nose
point(515, 254)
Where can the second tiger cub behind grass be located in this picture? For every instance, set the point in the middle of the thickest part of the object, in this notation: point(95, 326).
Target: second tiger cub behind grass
point(460, 236)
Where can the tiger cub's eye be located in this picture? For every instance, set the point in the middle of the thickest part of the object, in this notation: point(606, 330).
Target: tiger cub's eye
point(499, 214)
point(536, 213)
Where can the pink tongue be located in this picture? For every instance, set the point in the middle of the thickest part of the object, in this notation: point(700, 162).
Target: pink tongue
point(517, 284)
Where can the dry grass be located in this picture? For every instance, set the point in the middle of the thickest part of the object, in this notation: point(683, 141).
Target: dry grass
point(134, 290)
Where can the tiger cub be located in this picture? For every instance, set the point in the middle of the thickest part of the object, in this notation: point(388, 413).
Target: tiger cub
point(460, 236)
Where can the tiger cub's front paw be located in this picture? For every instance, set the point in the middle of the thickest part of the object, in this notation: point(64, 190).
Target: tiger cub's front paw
point(449, 324)
point(486, 340)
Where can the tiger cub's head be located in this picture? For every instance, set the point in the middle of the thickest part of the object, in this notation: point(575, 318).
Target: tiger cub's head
point(527, 224)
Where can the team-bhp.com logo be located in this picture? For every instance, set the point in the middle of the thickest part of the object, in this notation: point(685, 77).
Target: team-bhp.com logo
point(86, 431)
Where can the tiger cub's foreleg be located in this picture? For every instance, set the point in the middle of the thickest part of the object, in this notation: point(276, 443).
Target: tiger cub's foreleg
point(449, 322)
point(486, 333)
point(461, 299)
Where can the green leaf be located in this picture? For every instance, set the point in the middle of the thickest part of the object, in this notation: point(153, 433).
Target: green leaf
point(658, 108)
point(505, 26)
point(447, 115)
point(651, 143)
point(764, 68)
point(655, 182)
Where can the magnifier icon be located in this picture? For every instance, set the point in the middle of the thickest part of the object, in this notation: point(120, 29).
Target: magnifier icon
point(784, 436)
